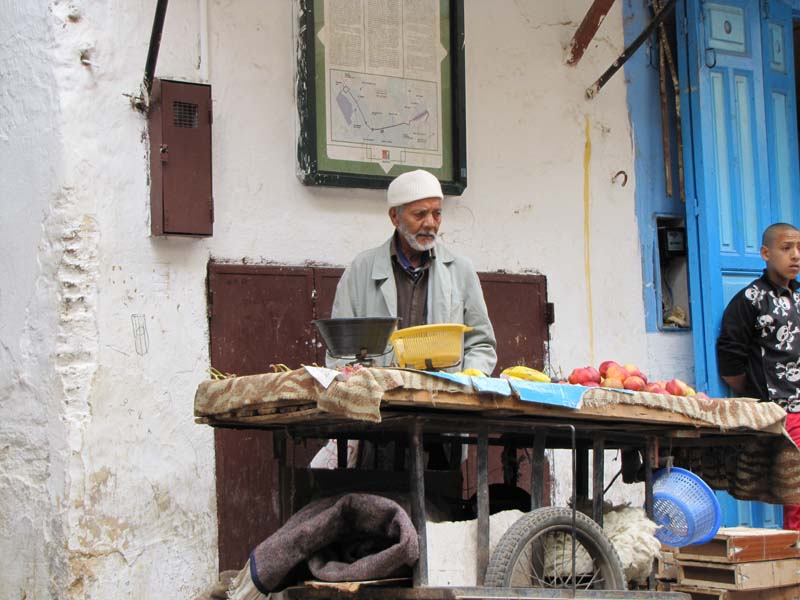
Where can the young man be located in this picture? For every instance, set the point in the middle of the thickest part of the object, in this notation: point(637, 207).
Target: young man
point(758, 349)
point(415, 277)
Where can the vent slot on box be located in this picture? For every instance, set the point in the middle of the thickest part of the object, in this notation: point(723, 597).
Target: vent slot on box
point(184, 114)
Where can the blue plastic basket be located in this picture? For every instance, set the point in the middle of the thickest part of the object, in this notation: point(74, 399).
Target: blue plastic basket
point(685, 508)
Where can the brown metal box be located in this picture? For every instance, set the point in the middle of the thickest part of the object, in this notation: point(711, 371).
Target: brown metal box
point(179, 119)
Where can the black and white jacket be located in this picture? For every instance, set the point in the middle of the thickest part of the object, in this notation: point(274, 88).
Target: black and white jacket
point(760, 336)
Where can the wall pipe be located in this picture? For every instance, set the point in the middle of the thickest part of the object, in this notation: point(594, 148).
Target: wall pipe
point(202, 60)
point(155, 44)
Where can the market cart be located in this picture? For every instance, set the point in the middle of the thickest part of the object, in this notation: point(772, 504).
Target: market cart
point(735, 444)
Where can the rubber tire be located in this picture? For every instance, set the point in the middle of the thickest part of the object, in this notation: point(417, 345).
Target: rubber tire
point(557, 519)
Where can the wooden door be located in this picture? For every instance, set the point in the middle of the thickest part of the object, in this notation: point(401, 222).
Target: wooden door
point(257, 316)
point(260, 316)
point(519, 312)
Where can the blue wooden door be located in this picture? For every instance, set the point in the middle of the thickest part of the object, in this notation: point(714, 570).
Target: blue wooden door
point(738, 84)
point(780, 105)
point(737, 81)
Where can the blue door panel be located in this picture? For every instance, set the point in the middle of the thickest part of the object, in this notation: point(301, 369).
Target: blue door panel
point(781, 111)
point(732, 283)
point(747, 165)
point(749, 514)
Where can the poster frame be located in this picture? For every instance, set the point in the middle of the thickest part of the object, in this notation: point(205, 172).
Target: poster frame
point(308, 169)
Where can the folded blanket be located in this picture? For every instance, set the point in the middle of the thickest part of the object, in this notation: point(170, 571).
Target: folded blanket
point(353, 537)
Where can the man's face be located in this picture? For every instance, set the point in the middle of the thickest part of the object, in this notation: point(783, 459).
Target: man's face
point(783, 255)
point(418, 222)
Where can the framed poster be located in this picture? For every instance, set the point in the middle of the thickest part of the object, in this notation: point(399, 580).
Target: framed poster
point(380, 91)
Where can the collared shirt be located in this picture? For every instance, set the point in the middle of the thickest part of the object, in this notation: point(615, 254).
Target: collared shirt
point(412, 285)
point(759, 337)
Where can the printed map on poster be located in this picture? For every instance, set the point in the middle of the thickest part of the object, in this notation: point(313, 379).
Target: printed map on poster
point(378, 110)
point(383, 82)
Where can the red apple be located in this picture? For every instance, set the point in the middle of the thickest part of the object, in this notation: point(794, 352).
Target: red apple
point(676, 387)
point(634, 370)
point(577, 376)
point(702, 396)
point(617, 372)
point(594, 374)
point(611, 382)
point(591, 384)
point(635, 383)
point(654, 388)
point(604, 366)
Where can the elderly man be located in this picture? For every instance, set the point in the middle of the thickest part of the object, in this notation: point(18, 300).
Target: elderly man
point(414, 277)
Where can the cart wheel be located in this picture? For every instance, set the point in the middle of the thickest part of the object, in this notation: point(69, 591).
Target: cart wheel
point(536, 551)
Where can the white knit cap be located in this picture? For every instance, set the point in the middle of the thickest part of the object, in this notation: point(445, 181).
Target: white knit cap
point(412, 186)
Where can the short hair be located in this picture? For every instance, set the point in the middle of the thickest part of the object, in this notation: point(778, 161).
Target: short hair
point(771, 232)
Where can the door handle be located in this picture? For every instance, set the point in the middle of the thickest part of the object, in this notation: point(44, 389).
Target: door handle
point(711, 58)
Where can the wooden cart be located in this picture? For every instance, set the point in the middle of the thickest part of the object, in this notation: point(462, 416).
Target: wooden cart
point(425, 409)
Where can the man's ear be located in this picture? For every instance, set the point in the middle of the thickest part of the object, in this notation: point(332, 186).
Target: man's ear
point(393, 216)
point(765, 253)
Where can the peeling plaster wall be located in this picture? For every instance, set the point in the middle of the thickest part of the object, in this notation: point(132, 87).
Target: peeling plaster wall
point(102, 459)
point(33, 444)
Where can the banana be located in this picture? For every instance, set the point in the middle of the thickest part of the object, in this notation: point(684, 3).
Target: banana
point(522, 372)
point(472, 373)
point(219, 375)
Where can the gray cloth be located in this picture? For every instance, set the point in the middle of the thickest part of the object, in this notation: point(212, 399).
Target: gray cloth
point(354, 537)
point(367, 289)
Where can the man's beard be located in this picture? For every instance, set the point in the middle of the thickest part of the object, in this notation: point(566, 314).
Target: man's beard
point(414, 242)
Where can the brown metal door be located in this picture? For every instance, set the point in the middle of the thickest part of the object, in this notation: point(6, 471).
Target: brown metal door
point(517, 307)
point(258, 316)
point(186, 158)
point(325, 281)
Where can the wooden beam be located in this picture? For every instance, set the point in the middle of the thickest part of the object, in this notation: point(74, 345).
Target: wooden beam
point(587, 30)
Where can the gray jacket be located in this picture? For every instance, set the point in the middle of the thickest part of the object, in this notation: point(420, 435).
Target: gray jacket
point(367, 289)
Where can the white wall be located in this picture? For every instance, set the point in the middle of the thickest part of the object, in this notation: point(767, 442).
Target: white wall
point(33, 445)
point(100, 452)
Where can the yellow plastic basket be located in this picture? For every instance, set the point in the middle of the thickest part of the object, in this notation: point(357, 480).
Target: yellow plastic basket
point(429, 346)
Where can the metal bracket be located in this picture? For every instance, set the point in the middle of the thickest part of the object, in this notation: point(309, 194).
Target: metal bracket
point(662, 14)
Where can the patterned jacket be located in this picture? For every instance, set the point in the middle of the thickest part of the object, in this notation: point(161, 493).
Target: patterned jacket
point(760, 337)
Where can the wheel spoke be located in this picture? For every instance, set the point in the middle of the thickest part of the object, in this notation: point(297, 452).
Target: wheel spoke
point(530, 573)
point(597, 576)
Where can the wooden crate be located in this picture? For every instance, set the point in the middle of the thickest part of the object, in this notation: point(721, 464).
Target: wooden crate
point(744, 544)
point(791, 592)
point(740, 576)
point(666, 565)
